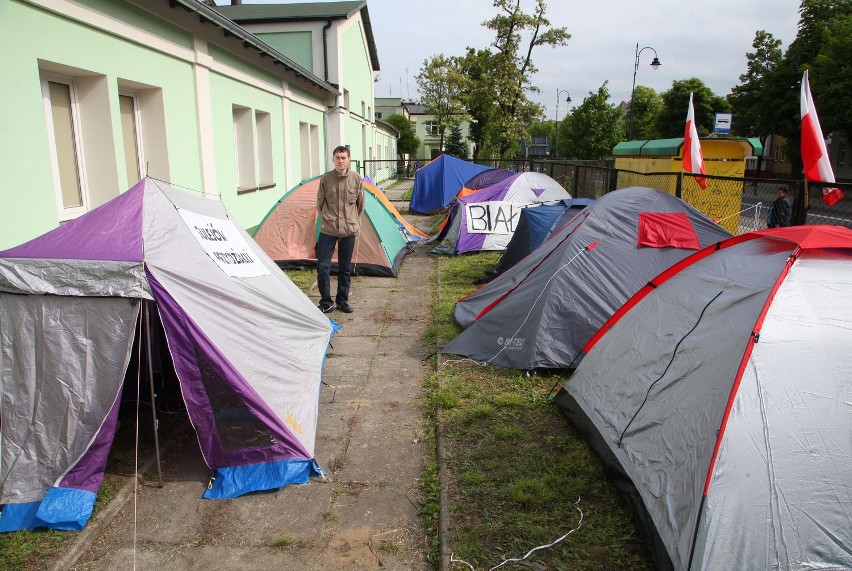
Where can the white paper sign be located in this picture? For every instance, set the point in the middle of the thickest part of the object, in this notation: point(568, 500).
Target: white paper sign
point(494, 217)
point(223, 242)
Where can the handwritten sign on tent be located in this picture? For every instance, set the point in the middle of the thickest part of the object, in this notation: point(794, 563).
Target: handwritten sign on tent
point(494, 217)
point(224, 244)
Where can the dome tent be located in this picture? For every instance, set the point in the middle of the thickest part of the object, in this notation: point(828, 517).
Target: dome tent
point(541, 312)
point(247, 347)
point(719, 398)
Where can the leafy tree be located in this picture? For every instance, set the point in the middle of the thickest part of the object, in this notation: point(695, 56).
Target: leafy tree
point(592, 128)
point(441, 86)
point(832, 77)
point(408, 142)
point(510, 69)
point(672, 117)
point(747, 98)
point(821, 27)
point(479, 99)
point(455, 144)
point(642, 113)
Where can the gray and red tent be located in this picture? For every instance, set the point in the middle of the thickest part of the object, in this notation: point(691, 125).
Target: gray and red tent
point(540, 312)
point(246, 344)
point(720, 396)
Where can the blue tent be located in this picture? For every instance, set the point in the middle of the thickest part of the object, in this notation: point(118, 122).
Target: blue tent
point(437, 183)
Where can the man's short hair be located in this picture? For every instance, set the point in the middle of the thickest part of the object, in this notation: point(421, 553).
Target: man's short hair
point(783, 189)
point(340, 149)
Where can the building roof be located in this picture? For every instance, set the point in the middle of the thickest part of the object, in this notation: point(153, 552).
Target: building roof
point(304, 12)
point(229, 28)
point(671, 147)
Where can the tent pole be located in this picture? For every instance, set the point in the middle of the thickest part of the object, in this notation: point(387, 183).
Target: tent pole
point(147, 306)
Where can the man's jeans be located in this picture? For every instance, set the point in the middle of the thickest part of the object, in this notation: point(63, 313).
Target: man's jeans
point(325, 249)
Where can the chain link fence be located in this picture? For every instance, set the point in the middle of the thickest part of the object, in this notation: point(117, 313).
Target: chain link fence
point(737, 204)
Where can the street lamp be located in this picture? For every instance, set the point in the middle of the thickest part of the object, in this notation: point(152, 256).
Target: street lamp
point(655, 63)
point(567, 100)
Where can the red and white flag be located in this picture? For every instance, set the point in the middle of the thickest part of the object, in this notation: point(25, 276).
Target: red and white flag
point(814, 153)
point(693, 159)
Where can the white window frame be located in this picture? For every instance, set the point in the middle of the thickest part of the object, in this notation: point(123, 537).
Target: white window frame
point(244, 150)
point(432, 128)
point(70, 212)
point(137, 126)
point(263, 126)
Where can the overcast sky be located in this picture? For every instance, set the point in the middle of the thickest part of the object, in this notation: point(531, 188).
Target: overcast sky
point(693, 38)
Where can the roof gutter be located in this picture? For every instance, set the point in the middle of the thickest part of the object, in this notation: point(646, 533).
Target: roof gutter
point(230, 28)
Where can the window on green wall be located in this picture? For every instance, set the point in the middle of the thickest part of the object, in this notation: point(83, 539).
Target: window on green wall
point(60, 103)
point(128, 109)
point(253, 149)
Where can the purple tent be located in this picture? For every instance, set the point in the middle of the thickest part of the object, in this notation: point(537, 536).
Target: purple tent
point(247, 347)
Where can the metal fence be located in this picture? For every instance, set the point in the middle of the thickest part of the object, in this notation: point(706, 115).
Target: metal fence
point(738, 204)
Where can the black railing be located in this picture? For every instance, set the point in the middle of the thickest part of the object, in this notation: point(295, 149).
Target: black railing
point(739, 204)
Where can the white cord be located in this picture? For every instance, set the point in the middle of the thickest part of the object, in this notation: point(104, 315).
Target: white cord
point(568, 263)
point(531, 551)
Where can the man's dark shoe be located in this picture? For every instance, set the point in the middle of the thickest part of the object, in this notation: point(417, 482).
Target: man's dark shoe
point(326, 307)
point(344, 307)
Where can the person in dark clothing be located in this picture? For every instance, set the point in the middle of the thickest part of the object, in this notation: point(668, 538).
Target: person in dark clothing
point(781, 211)
point(340, 203)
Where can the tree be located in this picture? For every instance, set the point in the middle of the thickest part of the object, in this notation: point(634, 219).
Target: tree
point(479, 99)
point(506, 72)
point(672, 117)
point(455, 145)
point(821, 27)
point(592, 128)
point(746, 98)
point(441, 86)
point(642, 112)
point(832, 77)
point(408, 143)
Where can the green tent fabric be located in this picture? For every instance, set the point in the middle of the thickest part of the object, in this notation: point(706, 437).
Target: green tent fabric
point(289, 231)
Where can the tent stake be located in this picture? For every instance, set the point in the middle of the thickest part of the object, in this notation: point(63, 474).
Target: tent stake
point(147, 307)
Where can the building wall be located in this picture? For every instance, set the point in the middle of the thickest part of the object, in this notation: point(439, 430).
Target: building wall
point(185, 88)
point(296, 45)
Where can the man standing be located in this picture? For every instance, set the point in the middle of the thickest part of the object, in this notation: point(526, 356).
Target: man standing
point(340, 202)
point(780, 212)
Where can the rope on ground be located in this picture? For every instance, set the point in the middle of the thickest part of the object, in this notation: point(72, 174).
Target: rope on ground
point(531, 551)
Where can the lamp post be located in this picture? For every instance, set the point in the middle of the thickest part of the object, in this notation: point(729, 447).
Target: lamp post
point(655, 63)
point(556, 134)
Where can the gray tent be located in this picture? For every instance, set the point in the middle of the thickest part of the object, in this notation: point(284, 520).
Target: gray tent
point(720, 396)
point(246, 344)
point(541, 312)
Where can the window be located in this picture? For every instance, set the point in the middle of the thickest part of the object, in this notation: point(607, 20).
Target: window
point(378, 114)
point(369, 113)
point(253, 149)
point(63, 123)
point(841, 154)
point(128, 109)
point(264, 148)
point(309, 145)
point(363, 109)
point(346, 98)
point(244, 144)
point(433, 129)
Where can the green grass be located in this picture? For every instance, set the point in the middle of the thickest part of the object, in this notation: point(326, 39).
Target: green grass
point(516, 466)
point(304, 279)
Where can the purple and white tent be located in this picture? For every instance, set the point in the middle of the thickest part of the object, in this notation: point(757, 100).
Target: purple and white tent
point(246, 344)
point(486, 219)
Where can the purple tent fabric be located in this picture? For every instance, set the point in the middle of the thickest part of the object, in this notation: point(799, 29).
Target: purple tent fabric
point(487, 178)
point(233, 424)
point(110, 232)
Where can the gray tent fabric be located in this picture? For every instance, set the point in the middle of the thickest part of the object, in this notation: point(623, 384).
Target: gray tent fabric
point(67, 415)
point(246, 344)
point(540, 313)
point(733, 431)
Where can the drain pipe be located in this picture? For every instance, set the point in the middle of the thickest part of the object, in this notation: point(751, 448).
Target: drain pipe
point(324, 48)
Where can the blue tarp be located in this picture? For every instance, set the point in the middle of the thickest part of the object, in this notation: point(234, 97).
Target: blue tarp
point(437, 183)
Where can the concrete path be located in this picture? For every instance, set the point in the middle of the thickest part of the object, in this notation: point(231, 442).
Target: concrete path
point(370, 439)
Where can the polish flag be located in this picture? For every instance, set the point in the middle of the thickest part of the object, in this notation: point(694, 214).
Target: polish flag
point(814, 154)
point(693, 160)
